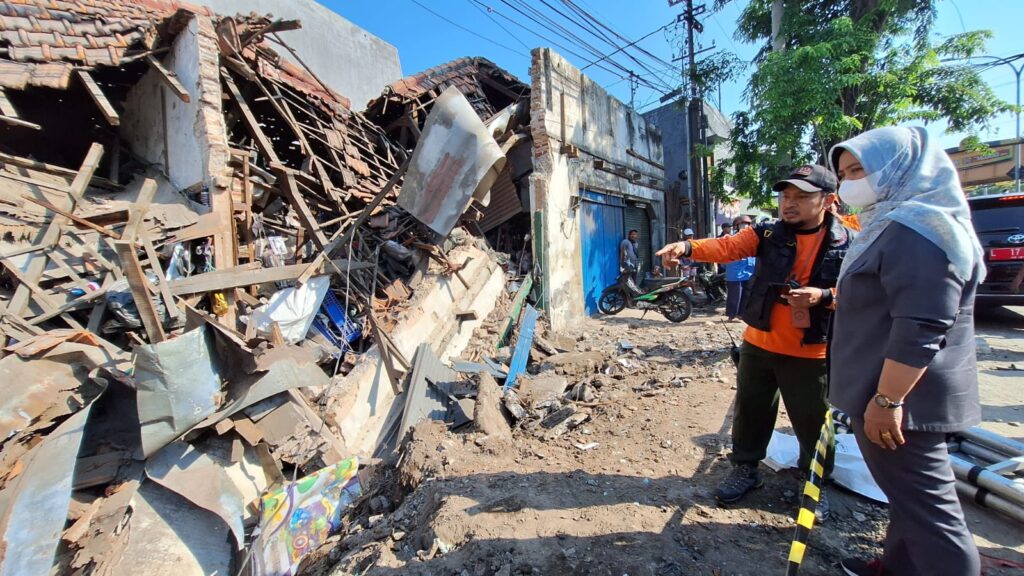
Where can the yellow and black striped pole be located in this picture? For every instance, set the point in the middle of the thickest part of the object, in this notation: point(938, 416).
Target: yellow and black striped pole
point(812, 488)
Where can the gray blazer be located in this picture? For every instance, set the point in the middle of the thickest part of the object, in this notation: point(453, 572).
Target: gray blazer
point(901, 300)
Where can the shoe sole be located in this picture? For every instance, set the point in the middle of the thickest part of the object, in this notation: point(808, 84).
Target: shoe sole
point(759, 484)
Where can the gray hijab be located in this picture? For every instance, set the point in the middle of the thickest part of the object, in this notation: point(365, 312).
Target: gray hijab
point(918, 187)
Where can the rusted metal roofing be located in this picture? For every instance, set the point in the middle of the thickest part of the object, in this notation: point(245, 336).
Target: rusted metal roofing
point(42, 40)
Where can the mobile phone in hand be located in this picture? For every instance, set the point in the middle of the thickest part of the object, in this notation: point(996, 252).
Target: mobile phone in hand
point(782, 287)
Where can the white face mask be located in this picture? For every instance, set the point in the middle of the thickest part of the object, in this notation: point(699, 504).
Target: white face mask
point(858, 193)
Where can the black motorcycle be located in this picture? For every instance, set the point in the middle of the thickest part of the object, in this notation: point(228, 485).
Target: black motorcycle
point(666, 295)
point(713, 285)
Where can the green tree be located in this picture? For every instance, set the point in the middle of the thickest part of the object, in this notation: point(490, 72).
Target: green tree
point(847, 66)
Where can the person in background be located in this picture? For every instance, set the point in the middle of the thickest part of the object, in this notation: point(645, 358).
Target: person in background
point(903, 349)
point(787, 315)
point(687, 267)
point(627, 253)
point(726, 229)
point(738, 275)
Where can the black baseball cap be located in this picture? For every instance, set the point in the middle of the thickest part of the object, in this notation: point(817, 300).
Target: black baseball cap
point(810, 178)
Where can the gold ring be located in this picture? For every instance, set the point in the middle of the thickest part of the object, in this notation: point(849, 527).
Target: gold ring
point(886, 435)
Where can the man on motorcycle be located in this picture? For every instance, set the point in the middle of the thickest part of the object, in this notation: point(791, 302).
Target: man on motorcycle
point(787, 313)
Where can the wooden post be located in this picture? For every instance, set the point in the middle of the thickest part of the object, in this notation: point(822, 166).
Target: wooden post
point(140, 291)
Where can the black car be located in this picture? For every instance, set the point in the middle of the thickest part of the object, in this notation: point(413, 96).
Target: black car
point(999, 222)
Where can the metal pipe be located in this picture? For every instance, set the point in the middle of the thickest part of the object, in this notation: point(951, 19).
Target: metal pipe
point(981, 452)
point(993, 441)
point(987, 499)
point(990, 481)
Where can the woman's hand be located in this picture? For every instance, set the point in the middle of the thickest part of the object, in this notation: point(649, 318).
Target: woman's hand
point(882, 426)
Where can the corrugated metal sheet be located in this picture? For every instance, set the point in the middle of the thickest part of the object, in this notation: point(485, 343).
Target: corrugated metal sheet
point(602, 231)
point(504, 203)
point(636, 218)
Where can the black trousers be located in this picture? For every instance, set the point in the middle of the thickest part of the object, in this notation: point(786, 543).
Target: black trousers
point(762, 378)
point(927, 534)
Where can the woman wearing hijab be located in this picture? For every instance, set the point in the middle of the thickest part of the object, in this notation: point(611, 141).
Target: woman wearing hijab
point(902, 350)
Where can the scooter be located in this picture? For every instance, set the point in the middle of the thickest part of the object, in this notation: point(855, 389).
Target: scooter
point(713, 285)
point(666, 295)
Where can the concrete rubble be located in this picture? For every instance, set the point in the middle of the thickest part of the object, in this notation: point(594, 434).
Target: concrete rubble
point(237, 314)
point(220, 282)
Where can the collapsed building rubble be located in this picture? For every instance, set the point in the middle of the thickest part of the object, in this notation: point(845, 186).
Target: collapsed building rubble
point(212, 269)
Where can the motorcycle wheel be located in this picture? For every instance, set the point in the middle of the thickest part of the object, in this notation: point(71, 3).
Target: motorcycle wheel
point(611, 302)
point(676, 306)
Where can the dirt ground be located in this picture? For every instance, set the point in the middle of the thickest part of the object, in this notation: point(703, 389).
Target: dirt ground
point(627, 492)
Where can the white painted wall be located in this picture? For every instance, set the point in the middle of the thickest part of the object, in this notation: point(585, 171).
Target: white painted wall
point(161, 128)
point(353, 62)
point(603, 128)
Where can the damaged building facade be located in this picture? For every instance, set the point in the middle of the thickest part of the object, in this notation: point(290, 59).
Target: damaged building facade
point(583, 169)
point(223, 277)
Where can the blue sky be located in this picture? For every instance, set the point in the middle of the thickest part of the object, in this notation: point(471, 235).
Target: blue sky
point(424, 39)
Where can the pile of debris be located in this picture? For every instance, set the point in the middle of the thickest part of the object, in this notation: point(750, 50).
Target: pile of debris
point(200, 242)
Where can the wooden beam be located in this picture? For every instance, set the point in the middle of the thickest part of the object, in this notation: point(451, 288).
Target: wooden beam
point(99, 98)
point(37, 263)
point(169, 78)
point(154, 264)
point(19, 122)
point(264, 144)
point(342, 239)
point(140, 291)
point(138, 210)
point(76, 219)
point(6, 108)
point(248, 275)
point(291, 191)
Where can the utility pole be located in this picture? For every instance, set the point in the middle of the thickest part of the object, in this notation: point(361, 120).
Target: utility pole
point(695, 122)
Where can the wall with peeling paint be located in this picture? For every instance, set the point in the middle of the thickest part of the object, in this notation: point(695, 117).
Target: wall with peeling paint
point(567, 109)
point(353, 62)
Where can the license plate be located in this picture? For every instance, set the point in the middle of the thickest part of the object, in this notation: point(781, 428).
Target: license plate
point(1006, 254)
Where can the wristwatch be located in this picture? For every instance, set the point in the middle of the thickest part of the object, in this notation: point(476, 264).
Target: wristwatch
point(886, 402)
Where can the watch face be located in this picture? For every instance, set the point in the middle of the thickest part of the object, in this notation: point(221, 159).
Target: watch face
point(881, 400)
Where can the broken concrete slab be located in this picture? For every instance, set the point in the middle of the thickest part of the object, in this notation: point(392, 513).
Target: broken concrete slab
point(488, 415)
point(576, 363)
point(536, 389)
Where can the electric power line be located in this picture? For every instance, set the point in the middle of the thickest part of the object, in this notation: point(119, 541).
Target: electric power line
point(463, 28)
point(551, 25)
point(566, 49)
point(498, 24)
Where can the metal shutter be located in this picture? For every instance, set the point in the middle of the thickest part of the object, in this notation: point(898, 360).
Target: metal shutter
point(636, 219)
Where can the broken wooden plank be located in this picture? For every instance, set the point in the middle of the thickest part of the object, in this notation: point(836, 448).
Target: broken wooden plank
point(264, 144)
point(248, 275)
point(37, 263)
point(99, 98)
point(342, 239)
point(6, 108)
point(517, 307)
point(19, 122)
point(140, 290)
point(154, 264)
point(137, 214)
point(523, 345)
point(169, 78)
point(76, 219)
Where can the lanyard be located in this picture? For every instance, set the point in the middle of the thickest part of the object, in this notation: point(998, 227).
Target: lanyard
point(808, 262)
